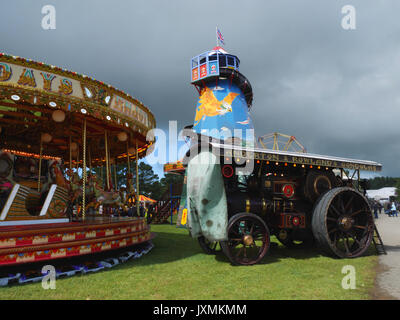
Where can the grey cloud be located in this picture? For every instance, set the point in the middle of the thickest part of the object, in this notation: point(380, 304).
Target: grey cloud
point(335, 90)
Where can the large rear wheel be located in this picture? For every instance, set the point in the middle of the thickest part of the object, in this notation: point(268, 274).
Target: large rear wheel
point(342, 223)
point(248, 239)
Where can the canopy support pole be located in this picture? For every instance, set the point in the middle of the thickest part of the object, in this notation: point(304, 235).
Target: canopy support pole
point(90, 159)
point(129, 166)
point(107, 162)
point(77, 158)
point(137, 181)
point(115, 174)
point(70, 159)
point(40, 163)
point(84, 171)
point(127, 156)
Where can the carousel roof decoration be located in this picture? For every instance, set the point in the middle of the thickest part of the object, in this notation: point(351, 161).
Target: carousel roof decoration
point(36, 97)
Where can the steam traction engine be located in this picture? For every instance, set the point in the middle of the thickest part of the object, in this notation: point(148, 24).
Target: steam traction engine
point(238, 195)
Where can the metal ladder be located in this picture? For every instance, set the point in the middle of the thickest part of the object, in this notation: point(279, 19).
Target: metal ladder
point(377, 240)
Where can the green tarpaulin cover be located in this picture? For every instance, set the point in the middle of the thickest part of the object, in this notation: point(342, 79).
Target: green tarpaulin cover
point(207, 206)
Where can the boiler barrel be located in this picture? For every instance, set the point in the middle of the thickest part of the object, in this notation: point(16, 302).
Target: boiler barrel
point(244, 202)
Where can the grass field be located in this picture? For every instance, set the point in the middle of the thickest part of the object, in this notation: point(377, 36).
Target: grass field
point(176, 268)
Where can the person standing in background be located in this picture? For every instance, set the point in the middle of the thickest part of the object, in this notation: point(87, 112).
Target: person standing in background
point(375, 207)
point(394, 209)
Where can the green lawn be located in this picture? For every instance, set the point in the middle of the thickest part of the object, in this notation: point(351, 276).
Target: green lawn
point(176, 268)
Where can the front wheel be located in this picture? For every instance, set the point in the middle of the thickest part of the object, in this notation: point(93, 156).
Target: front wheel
point(248, 239)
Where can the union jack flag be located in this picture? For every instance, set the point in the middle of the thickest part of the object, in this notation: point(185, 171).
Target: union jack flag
point(220, 37)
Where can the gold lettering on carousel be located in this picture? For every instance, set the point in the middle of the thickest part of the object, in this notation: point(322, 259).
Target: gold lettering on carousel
point(127, 108)
point(27, 78)
point(134, 111)
point(5, 72)
point(47, 79)
point(65, 86)
point(119, 104)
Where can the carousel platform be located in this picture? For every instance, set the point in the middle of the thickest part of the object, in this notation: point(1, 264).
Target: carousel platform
point(27, 243)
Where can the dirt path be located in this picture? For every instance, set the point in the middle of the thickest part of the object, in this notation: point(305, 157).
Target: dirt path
point(388, 280)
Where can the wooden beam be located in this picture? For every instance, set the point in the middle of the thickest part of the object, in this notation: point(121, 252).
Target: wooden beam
point(35, 108)
point(18, 121)
point(22, 115)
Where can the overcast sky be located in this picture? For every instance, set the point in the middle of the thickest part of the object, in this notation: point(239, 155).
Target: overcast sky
point(336, 90)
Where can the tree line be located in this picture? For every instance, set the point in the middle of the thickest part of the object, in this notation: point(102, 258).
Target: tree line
point(381, 182)
point(150, 183)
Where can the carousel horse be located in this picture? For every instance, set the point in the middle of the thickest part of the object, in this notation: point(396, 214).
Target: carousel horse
point(105, 197)
point(58, 176)
point(56, 197)
point(75, 187)
point(94, 193)
point(76, 191)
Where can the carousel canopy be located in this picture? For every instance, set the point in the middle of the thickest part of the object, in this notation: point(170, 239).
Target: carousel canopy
point(44, 102)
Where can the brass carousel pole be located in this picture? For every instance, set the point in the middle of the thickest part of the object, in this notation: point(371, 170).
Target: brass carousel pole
point(115, 174)
point(90, 159)
point(84, 170)
point(129, 166)
point(127, 155)
point(40, 162)
point(137, 180)
point(77, 159)
point(70, 159)
point(110, 164)
point(107, 164)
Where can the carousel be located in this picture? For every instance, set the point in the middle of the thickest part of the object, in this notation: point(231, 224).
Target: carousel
point(68, 144)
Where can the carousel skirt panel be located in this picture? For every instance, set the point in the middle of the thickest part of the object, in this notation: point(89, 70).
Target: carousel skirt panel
point(33, 243)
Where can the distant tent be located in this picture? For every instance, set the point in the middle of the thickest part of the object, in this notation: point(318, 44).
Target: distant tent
point(382, 194)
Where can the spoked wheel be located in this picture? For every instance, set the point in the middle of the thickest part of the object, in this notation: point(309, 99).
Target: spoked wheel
point(342, 222)
point(209, 247)
point(248, 239)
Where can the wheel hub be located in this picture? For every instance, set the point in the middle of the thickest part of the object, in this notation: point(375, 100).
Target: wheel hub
point(345, 222)
point(283, 234)
point(248, 240)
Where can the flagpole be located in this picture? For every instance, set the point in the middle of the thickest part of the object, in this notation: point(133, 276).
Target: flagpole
point(216, 34)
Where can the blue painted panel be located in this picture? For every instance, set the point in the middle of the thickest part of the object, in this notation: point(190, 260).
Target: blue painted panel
point(222, 112)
